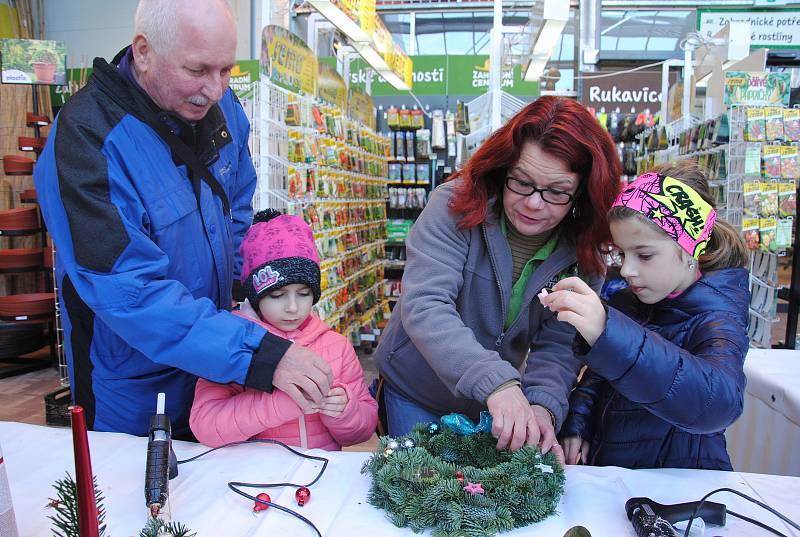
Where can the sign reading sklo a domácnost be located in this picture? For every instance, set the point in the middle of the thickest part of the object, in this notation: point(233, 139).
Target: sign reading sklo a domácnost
point(630, 92)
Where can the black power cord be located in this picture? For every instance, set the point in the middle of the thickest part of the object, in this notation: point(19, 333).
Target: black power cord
point(746, 497)
point(233, 485)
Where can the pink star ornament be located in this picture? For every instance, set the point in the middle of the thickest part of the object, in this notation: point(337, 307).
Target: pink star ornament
point(473, 488)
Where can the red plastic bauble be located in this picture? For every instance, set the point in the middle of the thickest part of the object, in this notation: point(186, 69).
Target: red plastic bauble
point(302, 495)
point(460, 476)
point(260, 506)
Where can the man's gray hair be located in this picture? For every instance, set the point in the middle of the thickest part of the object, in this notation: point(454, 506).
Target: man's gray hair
point(158, 21)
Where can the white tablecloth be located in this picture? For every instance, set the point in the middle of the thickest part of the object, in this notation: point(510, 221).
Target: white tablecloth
point(766, 438)
point(595, 497)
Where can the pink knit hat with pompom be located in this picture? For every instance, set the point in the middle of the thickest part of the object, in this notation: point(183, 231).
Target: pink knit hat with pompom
point(278, 250)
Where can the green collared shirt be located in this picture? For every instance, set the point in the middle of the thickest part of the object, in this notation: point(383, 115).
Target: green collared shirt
point(518, 290)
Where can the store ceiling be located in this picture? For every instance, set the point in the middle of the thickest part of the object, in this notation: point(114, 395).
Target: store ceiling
point(467, 32)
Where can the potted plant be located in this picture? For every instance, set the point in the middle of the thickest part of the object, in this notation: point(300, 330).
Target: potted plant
point(43, 59)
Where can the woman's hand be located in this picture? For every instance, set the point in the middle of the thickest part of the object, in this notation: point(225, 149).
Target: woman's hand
point(547, 440)
point(513, 421)
point(577, 304)
point(575, 449)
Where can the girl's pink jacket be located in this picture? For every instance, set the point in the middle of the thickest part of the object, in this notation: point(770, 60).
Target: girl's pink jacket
point(224, 413)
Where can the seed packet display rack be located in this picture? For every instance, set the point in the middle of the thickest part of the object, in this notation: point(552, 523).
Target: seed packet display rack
point(315, 162)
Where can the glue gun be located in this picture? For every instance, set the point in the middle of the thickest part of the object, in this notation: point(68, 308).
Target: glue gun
point(162, 465)
point(652, 519)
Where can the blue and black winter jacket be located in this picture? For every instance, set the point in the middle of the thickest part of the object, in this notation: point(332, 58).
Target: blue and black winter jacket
point(664, 381)
point(145, 260)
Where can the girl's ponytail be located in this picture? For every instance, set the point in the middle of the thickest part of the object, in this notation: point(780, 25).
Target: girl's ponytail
point(726, 249)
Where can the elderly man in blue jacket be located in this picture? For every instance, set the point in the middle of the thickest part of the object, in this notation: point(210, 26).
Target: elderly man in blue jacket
point(146, 185)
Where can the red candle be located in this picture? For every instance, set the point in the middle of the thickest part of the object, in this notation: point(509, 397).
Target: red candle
point(87, 504)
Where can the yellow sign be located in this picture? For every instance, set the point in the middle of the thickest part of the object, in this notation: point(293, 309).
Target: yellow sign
point(361, 108)
point(394, 56)
point(331, 86)
point(287, 61)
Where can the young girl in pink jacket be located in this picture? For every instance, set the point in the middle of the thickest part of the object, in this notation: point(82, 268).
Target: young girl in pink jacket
point(281, 275)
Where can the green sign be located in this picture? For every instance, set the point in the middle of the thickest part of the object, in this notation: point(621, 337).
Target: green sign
point(757, 88)
point(444, 75)
point(243, 74)
point(769, 28)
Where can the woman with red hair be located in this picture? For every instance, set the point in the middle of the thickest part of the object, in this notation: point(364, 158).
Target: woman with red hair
point(468, 334)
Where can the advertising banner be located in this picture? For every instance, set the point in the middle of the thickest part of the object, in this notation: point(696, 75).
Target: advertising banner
point(243, 74)
point(362, 108)
point(287, 61)
point(757, 88)
point(33, 61)
point(331, 87)
point(444, 75)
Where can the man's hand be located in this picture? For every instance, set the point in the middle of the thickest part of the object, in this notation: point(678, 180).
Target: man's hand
point(304, 376)
point(577, 304)
point(513, 420)
point(575, 449)
point(334, 403)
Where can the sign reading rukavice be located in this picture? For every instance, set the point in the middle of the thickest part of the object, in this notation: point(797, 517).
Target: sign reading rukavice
point(635, 91)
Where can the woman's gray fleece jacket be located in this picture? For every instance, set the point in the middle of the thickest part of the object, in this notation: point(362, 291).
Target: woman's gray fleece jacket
point(445, 346)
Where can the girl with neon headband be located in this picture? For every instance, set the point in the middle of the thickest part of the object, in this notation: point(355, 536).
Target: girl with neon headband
point(665, 356)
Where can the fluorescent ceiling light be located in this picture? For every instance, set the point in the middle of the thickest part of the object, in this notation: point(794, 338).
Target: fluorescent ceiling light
point(376, 61)
point(535, 68)
point(339, 18)
point(554, 19)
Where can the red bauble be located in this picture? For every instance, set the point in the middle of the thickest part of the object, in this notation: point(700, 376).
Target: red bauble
point(460, 476)
point(260, 506)
point(302, 495)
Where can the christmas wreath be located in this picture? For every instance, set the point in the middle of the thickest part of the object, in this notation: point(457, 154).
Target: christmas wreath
point(457, 483)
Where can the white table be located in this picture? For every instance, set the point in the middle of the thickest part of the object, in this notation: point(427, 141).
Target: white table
point(595, 497)
point(766, 438)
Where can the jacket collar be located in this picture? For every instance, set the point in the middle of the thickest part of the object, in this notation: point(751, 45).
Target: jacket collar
point(725, 291)
point(206, 137)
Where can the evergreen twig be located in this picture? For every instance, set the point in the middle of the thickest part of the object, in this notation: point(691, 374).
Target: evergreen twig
point(156, 527)
point(66, 506)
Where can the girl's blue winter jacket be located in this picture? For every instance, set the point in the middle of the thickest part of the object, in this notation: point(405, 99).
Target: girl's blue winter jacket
point(665, 380)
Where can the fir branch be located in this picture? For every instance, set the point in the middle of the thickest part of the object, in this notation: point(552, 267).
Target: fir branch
point(156, 527)
point(66, 506)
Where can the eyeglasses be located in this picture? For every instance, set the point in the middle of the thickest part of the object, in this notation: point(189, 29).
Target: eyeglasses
point(549, 195)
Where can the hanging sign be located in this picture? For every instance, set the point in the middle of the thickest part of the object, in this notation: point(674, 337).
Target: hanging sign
point(331, 87)
point(630, 92)
point(756, 88)
point(361, 11)
point(394, 56)
point(772, 28)
point(243, 74)
point(362, 108)
point(287, 61)
point(461, 75)
point(33, 61)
